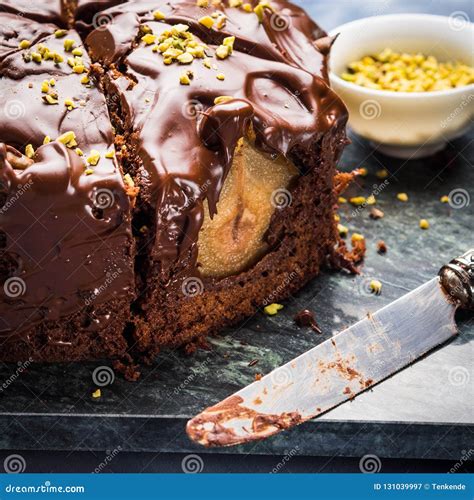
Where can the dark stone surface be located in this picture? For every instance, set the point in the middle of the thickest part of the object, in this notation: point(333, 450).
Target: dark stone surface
point(424, 411)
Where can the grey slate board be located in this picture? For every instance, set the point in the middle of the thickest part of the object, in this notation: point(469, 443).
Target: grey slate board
point(425, 411)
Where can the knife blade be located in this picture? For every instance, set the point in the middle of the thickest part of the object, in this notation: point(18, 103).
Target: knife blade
point(340, 368)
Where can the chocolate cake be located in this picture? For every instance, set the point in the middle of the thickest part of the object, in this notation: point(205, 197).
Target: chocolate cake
point(165, 171)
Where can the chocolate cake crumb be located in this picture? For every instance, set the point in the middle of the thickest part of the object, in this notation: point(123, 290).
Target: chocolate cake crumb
point(381, 247)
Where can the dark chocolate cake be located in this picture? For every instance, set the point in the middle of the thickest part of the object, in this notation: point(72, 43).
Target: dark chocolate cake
point(165, 171)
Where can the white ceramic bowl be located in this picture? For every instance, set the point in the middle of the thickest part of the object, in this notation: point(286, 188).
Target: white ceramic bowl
point(406, 124)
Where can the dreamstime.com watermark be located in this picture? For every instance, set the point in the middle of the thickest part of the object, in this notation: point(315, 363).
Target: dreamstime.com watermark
point(467, 455)
point(194, 373)
point(110, 455)
point(280, 288)
point(376, 190)
point(22, 189)
point(109, 279)
point(47, 487)
point(285, 460)
point(22, 366)
point(458, 110)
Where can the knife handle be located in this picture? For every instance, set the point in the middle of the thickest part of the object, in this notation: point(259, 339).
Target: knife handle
point(457, 278)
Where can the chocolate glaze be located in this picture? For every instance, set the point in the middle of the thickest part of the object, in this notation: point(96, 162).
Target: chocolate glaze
point(50, 11)
point(65, 237)
point(276, 75)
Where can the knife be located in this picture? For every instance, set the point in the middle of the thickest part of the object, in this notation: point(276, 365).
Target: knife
point(345, 365)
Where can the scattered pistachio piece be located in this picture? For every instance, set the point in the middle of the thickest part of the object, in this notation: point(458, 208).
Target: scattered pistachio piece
point(110, 154)
point(402, 197)
point(363, 171)
point(375, 287)
point(185, 58)
point(357, 237)
point(68, 139)
point(220, 76)
point(444, 199)
point(85, 80)
point(424, 224)
point(235, 3)
point(60, 33)
point(94, 158)
point(222, 98)
point(222, 52)
point(89, 171)
point(382, 173)
point(29, 151)
point(69, 44)
point(46, 139)
point(77, 52)
point(272, 309)
point(45, 87)
point(247, 7)
point(36, 57)
point(371, 200)
point(342, 230)
point(78, 68)
point(50, 99)
point(206, 21)
point(24, 44)
point(97, 394)
point(358, 200)
point(149, 38)
point(202, 3)
point(184, 79)
point(158, 15)
point(79, 152)
point(341, 199)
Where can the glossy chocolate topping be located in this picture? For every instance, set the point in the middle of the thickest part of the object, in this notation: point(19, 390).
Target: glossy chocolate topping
point(50, 11)
point(65, 232)
point(275, 75)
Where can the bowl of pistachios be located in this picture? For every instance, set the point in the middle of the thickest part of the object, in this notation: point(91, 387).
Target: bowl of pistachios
point(407, 79)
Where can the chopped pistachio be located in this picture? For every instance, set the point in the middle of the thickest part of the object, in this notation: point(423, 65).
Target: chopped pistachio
point(69, 44)
point(206, 21)
point(158, 15)
point(128, 180)
point(29, 151)
point(357, 237)
point(229, 41)
point(149, 38)
point(185, 58)
point(371, 200)
point(94, 158)
point(222, 52)
point(247, 7)
point(36, 57)
point(85, 80)
point(46, 139)
point(77, 52)
point(444, 199)
point(272, 309)
point(337, 218)
point(206, 63)
point(342, 230)
point(69, 103)
point(402, 197)
point(52, 82)
point(235, 3)
point(50, 99)
point(68, 139)
point(89, 171)
point(424, 224)
point(382, 173)
point(260, 8)
point(358, 200)
point(60, 33)
point(24, 44)
point(363, 171)
point(403, 72)
point(222, 98)
point(341, 199)
point(110, 154)
point(58, 58)
point(79, 152)
point(375, 287)
point(221, 20)
point(202, 3)
point(184, 79)
point(78, 68)
point(45, 87)
point(220, 76)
